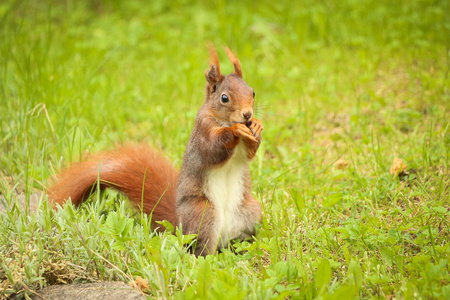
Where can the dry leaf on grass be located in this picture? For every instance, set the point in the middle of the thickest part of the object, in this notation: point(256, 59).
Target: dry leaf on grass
point(140, 282)
point(341, 164)
point(398, 166)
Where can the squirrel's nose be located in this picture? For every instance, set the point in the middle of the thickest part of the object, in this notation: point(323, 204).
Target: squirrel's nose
point(247, 115)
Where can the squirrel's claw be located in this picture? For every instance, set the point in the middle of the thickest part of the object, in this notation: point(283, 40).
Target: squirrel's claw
point(244, 132)
point(256, 127)
point(245, 135)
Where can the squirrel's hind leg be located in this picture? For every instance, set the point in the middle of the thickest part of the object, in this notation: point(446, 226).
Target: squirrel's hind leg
point(197, 216)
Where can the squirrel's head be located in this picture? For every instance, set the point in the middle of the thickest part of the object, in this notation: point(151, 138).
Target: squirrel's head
point(228, 98)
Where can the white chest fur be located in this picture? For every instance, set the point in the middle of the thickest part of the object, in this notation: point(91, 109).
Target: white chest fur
point(225, 189)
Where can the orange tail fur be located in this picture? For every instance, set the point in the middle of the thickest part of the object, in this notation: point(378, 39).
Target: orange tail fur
point(129, 170)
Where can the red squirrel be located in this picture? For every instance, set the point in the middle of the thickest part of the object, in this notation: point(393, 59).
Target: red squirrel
point(211, 195)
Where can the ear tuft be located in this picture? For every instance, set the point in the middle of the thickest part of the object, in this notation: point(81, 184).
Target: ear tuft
point(213, 75)
point(235, 61)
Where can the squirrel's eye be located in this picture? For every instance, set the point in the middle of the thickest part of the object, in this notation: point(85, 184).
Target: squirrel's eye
point(225, 98)
point(253, 94)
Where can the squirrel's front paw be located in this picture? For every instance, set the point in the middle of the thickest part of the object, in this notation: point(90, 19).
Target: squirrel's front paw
point(244, 132)
point(255, 126)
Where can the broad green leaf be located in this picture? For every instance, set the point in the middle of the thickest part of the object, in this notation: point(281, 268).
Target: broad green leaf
point(354, 274)
point(344, 292)
point(204, 276)
point(322, 275)
point(169, 227)
point(387, 255)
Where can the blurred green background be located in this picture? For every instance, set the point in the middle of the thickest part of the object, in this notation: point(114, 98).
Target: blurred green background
point(109, 71)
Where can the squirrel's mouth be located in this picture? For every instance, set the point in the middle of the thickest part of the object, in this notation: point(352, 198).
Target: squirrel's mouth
point(247, 122)
point(232, 122)
point(241, 122)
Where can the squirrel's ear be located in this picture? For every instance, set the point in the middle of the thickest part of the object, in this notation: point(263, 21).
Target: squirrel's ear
point(213, 75)
point(235, 61)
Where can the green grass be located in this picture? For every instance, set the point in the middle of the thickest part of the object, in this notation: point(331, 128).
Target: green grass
point(349, 83)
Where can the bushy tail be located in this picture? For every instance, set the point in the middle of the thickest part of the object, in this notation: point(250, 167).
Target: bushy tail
point(128, 169)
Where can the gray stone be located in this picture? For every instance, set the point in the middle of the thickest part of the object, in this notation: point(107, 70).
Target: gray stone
point(110, 290)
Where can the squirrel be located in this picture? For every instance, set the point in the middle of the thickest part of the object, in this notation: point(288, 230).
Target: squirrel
point(211, 195)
